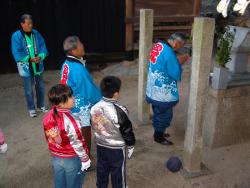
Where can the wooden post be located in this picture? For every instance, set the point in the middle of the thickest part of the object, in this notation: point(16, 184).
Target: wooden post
point(129, 39)
point(197, 7)
point(203, 35)
point(145, 45)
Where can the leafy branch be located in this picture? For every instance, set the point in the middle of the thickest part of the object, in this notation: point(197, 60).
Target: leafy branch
point(225, 39)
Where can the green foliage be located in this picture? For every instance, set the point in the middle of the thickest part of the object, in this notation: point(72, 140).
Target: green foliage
point(225, 39)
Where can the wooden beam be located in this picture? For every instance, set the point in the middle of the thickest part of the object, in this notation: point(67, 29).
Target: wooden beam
point(173, 18)
point(129, 38)
point(197, 7)
point(169, 28)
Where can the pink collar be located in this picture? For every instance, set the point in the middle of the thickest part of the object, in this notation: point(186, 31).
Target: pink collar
point(63, 110)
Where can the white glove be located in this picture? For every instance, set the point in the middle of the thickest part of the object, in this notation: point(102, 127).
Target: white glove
point(3, 148)
point(86, 165)
point(130, 151)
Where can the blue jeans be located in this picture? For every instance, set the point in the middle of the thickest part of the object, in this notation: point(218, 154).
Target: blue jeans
point(28, 83)
point(67, 172)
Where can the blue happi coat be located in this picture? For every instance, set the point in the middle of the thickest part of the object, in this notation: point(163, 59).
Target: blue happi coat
point(20, 50)
point(86, 93)
point(164, 70)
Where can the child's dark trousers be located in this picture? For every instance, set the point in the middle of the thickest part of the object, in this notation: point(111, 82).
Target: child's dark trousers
point(111, 161)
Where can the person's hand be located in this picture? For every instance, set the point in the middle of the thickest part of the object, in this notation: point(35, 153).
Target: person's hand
point(32, 60)
point(183, 58)
point(37, 59)
point(130, 151)
point(86, 165)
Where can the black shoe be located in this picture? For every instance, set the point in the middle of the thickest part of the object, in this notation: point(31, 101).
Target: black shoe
point(166, 135)
point(163, 141)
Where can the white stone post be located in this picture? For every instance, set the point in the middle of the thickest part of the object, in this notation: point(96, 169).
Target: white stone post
point(203, 35)
point(145, 45)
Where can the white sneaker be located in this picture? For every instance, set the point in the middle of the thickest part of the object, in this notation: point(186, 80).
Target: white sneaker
point(43, 109)
point(32, 113)
point(3, 148)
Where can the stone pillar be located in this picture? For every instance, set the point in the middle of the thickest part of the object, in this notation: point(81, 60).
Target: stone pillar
point(203, 35)
point(145, 45)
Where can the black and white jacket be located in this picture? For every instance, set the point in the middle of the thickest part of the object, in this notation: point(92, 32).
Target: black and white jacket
point(111, 125)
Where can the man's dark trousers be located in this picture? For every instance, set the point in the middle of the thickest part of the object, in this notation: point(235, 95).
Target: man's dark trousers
point(162, 117)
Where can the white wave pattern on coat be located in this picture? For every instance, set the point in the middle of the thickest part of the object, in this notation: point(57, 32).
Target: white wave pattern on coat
point(158, 90)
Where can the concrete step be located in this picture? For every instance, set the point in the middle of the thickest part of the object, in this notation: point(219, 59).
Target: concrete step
point(239, 79)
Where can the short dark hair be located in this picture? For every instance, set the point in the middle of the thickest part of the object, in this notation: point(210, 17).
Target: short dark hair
point(70, 43)
point(110, 85)
point(59, 93)
point(25, 17)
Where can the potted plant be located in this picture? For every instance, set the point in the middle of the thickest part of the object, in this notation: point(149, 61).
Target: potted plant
point(225, 38)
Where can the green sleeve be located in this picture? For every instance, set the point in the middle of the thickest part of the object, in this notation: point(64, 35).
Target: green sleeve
point(42, 56)
point(25, 59)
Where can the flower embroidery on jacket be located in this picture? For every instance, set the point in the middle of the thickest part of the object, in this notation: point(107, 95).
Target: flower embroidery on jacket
point(156, 51)
point(53, 136)
point(101, 124)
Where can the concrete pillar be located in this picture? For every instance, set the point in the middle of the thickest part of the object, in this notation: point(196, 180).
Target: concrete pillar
point(145, 45)
point(203, 35)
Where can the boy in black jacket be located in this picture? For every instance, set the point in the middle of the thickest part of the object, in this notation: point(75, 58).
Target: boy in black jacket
point(114, 133)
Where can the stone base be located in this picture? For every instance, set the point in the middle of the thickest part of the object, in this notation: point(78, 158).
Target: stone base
point(240, 79)
point(203, 172)
point(238, 63)
point(226, 117)
point(192, 160)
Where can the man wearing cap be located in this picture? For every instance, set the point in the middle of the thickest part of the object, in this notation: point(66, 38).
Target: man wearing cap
point(29, 51)
point(75, 75)
point(164, 70)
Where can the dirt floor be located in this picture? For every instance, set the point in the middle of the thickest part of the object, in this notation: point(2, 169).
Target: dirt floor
point(27, 162)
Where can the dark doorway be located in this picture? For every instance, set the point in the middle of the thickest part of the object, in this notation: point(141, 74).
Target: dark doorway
point(99, 24)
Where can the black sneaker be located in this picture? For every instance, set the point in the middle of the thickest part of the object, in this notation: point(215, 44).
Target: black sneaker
point(163, 141)
point(166, 135)
point(43, 109)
